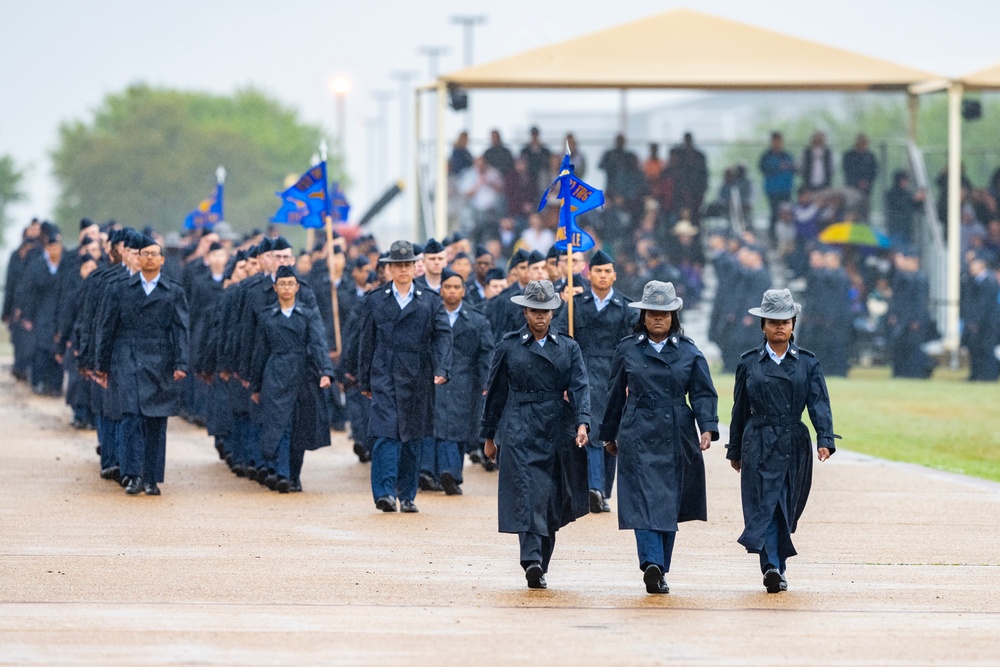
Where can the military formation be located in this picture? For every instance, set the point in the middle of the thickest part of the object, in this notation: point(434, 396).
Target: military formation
point(433, 355)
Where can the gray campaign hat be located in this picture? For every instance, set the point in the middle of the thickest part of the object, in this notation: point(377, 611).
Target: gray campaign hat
point(538, 294)
point(657, 295)
point(399, 252)
point(777, 304)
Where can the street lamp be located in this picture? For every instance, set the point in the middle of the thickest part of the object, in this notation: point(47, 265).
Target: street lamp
point(341, 86)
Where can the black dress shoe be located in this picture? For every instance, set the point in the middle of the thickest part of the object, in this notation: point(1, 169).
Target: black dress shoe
point(271, 481)
point(488, 466)
point(774, 581)
point(283, 485)
point(428, 483)
point(605, 507)
point(151, 489)
point(98, 448)
point(386, 504)
point(361, 453)
point(596, 501)
point(450, 486)
point(239, 470)
point(262, 474)
point(134, 486)
point(535, 576)
point(251, 473)
point(295, 486)
point(653, 578)
point(476, 456)
point(124, 480)
point(105, 473)
point(407, 507)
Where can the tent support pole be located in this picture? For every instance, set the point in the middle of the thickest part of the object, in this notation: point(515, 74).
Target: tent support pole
point(623, 111)
point(954, 219)
point(418, 184)
point(913, 107)
point(441, 161)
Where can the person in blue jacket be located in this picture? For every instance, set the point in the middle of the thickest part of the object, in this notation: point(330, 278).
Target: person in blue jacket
point(658, 437)
point(537, 414)
point(768, 442)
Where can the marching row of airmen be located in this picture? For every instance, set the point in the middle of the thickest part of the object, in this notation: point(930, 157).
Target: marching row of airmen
point(431, 367)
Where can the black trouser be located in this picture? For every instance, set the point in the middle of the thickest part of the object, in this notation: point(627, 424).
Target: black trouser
point(145, 447)
point(536, 548)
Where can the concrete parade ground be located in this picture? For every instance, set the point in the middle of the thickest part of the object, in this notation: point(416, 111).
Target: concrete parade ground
point(898, 566)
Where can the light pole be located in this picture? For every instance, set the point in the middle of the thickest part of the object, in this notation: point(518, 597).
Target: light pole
point(405, 116)
point(382, 98)
point(468, 23)
point(341, 86)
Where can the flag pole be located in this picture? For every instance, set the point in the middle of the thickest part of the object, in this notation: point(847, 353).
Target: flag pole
point(569, 250)
point(328, 224)
point(333, 287)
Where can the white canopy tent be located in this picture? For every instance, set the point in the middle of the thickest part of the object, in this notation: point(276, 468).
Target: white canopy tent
point(679, 49)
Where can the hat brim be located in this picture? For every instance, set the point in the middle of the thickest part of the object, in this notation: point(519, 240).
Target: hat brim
point(780, 315)
point(676, 304)
point(551, 304)
point(390, 260)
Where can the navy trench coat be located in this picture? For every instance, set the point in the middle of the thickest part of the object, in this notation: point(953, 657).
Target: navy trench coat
point(543, 474)
point(400, 353)
point(141, 341)
point(661, 468)
point(458, 402)
point(767, 436)
point(289, 358)
point(598, 335)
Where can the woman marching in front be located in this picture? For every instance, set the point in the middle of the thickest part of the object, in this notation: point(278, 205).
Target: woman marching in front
point(661, 469)
point(543, 468)
point(768, 443)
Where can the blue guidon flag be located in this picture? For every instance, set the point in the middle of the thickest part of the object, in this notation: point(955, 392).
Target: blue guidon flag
point(208, 212)
point(307, 202)
point(577, 198)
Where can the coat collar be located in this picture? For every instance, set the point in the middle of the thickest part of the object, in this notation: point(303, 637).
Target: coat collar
point(773, 369)
point(642, 341)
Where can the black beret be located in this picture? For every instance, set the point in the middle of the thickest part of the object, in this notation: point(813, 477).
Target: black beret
point(535, 257)
point(518, 257)
point(319, 245)
point(240, 256)
point(134, 240)
point(383, 256)
point(50, 232)
point(87, 240)
point(265, 245)
point(432, 247)
point(116, 236)
point(456, 237)
point(552, 253)
point(601, 258)
point(286, 272)
point(148, 230)
point(460, 255)
point(361, 262)
point(85, 222)
point(147, 241)
point(481, 251)
point(418, 249)
point(447, 273)
point(495, 274)
point(215, 246)
point(280, 243)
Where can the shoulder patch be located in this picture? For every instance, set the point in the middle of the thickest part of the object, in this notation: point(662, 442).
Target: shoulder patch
point(748, 353)
point(806, 352)
point(510, 334)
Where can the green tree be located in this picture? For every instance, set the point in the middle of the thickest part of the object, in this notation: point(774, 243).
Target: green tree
point(149, 156)
point(10, 188)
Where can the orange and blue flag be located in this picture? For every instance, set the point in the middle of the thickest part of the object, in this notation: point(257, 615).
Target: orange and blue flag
point(307, 202)
point(208, 212)
point(577, 198)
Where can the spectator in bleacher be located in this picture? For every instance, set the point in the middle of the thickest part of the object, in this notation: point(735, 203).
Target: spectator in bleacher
point(691, 177)
point(653, 166)
point(483, 186)
point(901, 202)
point(817, 164)
point(621, 167)
point(537, 156)
point(860, 170)
point(537, 236)
point(499, 156)
point(735, 196)
point(521, 189)
point(461, 158)
point(778, 169)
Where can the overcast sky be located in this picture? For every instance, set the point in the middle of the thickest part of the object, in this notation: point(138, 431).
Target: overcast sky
point(59, 58)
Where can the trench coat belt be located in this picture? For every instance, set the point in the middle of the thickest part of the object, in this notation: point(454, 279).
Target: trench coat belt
point(535, 396)
point(653, 402)
point(775, 420)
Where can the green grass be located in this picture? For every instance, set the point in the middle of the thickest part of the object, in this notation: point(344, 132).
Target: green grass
point(945, 423)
